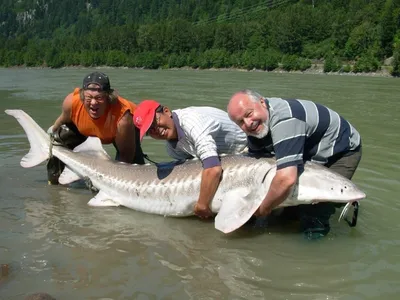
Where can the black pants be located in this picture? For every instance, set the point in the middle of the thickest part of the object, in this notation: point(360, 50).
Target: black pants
point(70, 137)
point(316, 216)
point(346, 165)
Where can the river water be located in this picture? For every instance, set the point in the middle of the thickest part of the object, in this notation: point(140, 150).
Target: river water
point(53, 242)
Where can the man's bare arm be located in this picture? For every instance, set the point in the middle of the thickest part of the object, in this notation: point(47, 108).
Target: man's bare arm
point(280, 188)
point(125, 138)
point(210, 179)
point(65, 116)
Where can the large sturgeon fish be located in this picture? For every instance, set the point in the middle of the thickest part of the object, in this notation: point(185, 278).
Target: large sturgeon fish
point(172, 189)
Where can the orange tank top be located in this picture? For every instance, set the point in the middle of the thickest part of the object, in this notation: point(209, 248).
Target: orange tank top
point(105, 127)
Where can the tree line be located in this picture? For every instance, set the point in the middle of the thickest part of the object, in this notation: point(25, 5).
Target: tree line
point(346, 35)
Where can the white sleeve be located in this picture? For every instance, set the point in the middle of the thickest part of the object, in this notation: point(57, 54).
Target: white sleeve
point(202, 131)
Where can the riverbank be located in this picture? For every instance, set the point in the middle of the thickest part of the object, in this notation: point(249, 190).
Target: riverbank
point(316, 69)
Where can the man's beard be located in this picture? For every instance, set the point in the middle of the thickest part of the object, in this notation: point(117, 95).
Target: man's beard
point(264, 131)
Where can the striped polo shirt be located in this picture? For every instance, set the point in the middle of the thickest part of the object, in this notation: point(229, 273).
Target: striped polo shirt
point(302, 130)
point(205, 133)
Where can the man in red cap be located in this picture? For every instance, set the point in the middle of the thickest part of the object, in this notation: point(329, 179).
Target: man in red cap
point(203, 132)
point(96, 110)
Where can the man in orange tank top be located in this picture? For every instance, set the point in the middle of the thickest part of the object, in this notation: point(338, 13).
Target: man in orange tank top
point(96, 110)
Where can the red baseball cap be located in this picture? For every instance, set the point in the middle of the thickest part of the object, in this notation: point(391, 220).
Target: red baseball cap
point(144, 115)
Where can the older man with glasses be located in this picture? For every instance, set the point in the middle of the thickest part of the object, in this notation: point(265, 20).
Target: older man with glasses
point(96, 110)
point(202, 132)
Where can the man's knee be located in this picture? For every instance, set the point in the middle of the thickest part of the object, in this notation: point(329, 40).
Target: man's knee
point(54, 169)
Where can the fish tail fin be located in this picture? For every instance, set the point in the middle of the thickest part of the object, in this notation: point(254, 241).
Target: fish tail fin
point(39, 140)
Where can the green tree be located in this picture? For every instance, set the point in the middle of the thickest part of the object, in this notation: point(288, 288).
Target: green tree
point(13, 58)
point(116, 58)
point(396, 63)
point(362, 38)
point(389, 18)
point(332, 63)
point(366, 63)
point(34, 54)
point(221, 33)
point(179, 37)
point(53, 58)
point(290, 62)
point(396, 56)
point(177, 60)
point(2, 57)
point(148, 60)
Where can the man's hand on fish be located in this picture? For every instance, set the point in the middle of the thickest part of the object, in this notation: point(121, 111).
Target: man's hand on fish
point(202, 211)
point(262, 211)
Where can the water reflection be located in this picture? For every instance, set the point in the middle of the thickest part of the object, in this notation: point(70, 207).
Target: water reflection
point(154, 246)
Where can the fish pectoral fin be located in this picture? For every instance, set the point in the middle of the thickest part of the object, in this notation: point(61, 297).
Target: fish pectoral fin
point(236, 209)
point(68, 176)
point(102, 199)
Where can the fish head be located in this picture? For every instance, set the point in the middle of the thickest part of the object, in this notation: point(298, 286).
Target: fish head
point(320, 184)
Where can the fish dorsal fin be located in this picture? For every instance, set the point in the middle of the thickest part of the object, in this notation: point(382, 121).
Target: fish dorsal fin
point(93, 147)
point(236, 209)
point(68, 176)
point(102, 199)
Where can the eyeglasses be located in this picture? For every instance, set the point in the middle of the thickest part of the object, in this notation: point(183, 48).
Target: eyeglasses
point(98, 98)
point(154, 125)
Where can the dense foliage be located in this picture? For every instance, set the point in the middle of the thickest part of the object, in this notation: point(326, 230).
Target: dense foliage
point(347, 35)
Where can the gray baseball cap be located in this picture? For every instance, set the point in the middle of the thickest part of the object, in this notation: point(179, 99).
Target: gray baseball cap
point(99, 79)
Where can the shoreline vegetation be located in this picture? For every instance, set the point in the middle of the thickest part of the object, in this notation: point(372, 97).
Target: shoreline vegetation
point(315, 69)
point(356, 37)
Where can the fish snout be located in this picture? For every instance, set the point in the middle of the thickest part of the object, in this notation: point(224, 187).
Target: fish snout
point(352, 193)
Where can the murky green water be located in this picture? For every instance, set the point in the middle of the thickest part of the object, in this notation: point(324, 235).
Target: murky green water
point(55, 243)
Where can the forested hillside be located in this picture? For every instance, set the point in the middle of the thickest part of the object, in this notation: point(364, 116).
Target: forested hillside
point(346, 35)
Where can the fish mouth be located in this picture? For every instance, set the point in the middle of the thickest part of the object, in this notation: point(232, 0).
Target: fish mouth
point(360, 196)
